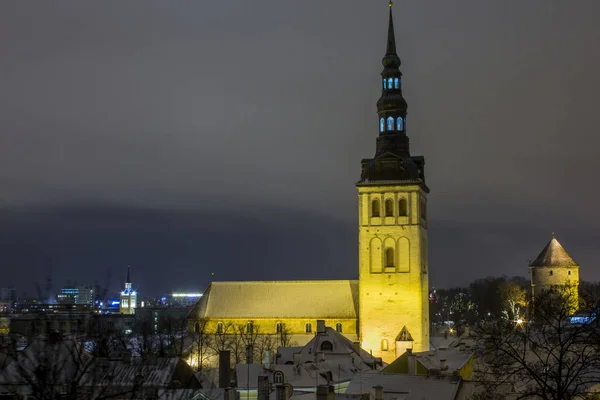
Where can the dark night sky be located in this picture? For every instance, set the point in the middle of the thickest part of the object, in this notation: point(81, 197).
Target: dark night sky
point(184, 138)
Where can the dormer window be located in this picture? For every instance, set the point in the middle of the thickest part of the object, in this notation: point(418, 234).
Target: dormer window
point(381, 125)
point(400, 124)
point(396, 83)
point(390, 123)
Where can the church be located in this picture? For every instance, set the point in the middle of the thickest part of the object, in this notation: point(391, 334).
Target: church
point(386, 310)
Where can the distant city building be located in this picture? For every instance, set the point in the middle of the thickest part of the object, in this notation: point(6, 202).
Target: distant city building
point(184, 299)
point(164, 318)
point(82, 295)
point(128, 297)
point(9, 295)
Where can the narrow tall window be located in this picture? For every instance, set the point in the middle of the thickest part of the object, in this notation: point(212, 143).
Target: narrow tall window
point(219, 327)
point(390, 83)
point(390, 123)
point(338, 327)
point(389, 257)
point(384, 345)
point(279, 327)
point(396, 83)
point(551, 273)
point(249, 327)
point(389, 208)
point(384, 83)
point(308, 327)
point(399, 124)
point(375, 208)
point(381, 125)
point(402, 211)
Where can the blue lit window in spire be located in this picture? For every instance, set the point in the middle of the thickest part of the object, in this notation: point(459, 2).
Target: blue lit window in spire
point(390, 83)
point(390, 123)
point(399, 124)
point(384, 83)
point(396, 83)
point(381, 125)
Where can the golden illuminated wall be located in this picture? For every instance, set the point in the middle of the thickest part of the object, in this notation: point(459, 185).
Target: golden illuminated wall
point(543, 278)
point(393, 280)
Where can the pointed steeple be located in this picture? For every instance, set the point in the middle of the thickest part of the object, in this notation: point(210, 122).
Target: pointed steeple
point(554, 255)
point(128, 277)
point(390, 51)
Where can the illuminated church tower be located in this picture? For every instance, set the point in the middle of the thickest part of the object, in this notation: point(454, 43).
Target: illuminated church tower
point(392, 203)
point(128, 297)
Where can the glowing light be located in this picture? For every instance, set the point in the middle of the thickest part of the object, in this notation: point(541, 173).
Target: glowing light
point(451, 330)
point(519, 321)
point(187, 294)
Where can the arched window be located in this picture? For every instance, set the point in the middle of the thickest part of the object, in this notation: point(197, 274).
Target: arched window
point(390, 123)
point(569, 272)
point(390, 83)
point(327, 346)
point(396, 83)
point(278, 378)
point(381, 125)
point(219, 327)
point(375, 208)
point(279, 327)
point(399, 124)
point(338, 327)
point(384, 345)
point(389, 257)
point(402, 211)
point(249, 327)
point(308, 327)
point(389, 208)
point(424, 210)
point(384, 83)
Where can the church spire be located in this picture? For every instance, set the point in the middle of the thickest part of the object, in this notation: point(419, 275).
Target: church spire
point(391, 39)
point(128, 278)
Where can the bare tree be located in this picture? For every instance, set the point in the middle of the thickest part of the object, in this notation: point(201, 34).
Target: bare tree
point(202, 343)
point(545, 357)
point(285, 336)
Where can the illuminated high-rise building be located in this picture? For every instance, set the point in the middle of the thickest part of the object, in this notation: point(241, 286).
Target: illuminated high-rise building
point(128, 297)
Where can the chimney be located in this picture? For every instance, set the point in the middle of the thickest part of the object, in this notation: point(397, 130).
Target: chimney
point(320, 327)
point(230, 393)
point(443, 365)
point(378, 392)
point(281, 392)
point(263, 388)
point(249, 356)
point(267, 359)
point(412, 361)
point(224, 367)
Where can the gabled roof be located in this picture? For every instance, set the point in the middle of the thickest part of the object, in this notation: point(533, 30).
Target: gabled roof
point(279, 299)
point(554, 255)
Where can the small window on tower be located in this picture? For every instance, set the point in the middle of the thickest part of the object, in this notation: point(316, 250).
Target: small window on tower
point(550, 273)
point(384, 83)
point(390, 123)
point(396, 83)
point(338, 327)
point(308, 327)
point(249, 327)
point(219, 327)
point(375, 208)
point(390, 83)
point(389, 208)
point(389, 257)
point(402, 211)
point(381, 125)
point(399, 124)
point(569, 272)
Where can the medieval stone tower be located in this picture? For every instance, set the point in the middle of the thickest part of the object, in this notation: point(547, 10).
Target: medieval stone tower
point(554, 267)
point(392, 205)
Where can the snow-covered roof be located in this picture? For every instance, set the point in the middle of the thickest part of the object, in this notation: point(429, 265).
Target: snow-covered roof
point(405, 387)
point(279, 299)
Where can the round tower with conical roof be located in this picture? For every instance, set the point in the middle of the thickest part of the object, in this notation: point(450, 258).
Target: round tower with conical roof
point(553, 267)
